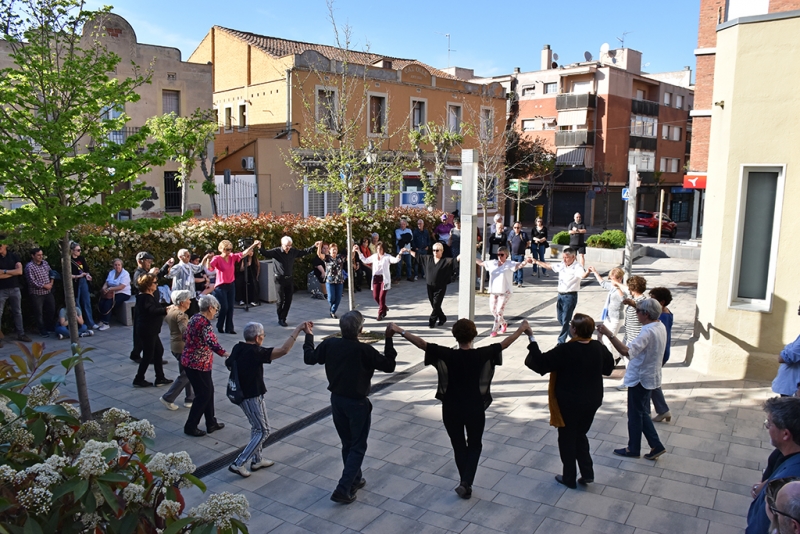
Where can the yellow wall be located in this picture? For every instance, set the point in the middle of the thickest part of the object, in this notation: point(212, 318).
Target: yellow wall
point(756, 76)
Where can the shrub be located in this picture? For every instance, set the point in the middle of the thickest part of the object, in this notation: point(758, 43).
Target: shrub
point(598, 241)
point(561, 238)
point(608, 239)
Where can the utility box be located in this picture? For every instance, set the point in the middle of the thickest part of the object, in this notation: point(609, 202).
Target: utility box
point(266, 281)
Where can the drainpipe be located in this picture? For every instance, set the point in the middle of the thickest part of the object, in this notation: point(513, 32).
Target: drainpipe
point(289, 104)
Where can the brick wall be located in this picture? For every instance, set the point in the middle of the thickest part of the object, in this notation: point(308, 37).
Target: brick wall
point(778, 6)
point(704, 82)
point(701, 130)
point(709, 18)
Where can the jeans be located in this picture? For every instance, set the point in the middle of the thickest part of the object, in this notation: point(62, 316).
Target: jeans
point(436, 297)
point(352, 418)
point(537, 251)
point(256, 412)
point(44, 308)
point(83, 300)
point(518, 274)
point(334, 295)
point(564, 310)
point(106, 305)
point(639, 421)
point(405, 258)
point(226, 295)
point(467, 451)
point(64, 330)
point(14, 298)
point(180, 383)
point(203, 404)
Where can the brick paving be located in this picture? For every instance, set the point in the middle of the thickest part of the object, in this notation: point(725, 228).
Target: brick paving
point(716, 445)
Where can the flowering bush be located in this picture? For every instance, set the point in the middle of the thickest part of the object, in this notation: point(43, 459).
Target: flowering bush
point(60, 475)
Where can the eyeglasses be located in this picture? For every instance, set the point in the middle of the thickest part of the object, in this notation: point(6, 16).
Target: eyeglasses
point(438, 250)
point(768, 423)
point(771, 494)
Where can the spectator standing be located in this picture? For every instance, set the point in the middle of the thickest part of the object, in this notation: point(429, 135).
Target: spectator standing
point(80, 284)
point(497, 238)
point(421, 244)
point(577, 237)
point(349, 366)
point(442, 231)
point(116, 290)
point(570, 274)
point(284, 257)
point(518, 241)
point(403, 237)
point(250, 357)
point(38, 274)
point(454, 240)
point(539, 245)
point(177, 320)
point(144, 265)
point(788, 378)
point(225, 289)
point(373, 244)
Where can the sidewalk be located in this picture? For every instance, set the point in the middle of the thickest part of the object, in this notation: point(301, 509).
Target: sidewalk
point(716, 444)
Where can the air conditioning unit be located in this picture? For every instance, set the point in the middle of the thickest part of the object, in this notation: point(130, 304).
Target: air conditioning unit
point(248, 163)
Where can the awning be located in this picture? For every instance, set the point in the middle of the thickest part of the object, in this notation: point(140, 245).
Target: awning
point(574, 156)
point(573, 117)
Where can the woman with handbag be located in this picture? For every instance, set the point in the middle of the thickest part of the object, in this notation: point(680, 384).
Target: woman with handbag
point(116, 290)
point(246, 363)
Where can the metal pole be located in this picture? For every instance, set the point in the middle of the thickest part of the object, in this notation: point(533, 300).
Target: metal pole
point(660, 211)
point(630, 220)
point(469, 219)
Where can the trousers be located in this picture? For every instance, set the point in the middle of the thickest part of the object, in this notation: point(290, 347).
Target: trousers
point(352, 419)
point(255, 410)
point(467, 451)
point(573, 445)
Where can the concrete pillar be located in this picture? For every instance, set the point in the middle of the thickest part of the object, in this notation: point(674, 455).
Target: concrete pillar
point(469, 235)
point(630, 219)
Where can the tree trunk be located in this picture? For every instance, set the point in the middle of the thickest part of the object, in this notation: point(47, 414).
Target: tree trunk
point(72, 314)
point(184, 189)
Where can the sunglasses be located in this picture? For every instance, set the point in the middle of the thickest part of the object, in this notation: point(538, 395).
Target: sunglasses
point(501, 255)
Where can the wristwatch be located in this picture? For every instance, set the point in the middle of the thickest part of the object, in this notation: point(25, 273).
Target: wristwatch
point(403, 334)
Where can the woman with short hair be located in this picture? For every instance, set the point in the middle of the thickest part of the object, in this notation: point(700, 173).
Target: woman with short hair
point(149, 318)
point(177, 320)
point(225, 290)
point(381, 274)
point(115, 291)
point(335, 266)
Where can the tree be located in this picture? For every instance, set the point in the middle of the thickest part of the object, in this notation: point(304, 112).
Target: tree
point(188, 139)
point(56, 148)
point(443, 139)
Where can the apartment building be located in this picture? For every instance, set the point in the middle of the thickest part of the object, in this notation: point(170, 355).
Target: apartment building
point(270, 93)
point(600, 116)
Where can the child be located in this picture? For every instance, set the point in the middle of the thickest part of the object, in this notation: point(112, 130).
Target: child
point(62, 327)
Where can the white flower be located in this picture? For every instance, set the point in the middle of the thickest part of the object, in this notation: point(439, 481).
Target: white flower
point(172, 466)
point(221, 507)
point(91, 462)
point(114, 416)
point(132, 429)
point(7, 474)
point(46, 474)
point(40, 396)
point(133, 493)
point(90, 520)
point(36, 500)
point(168, 509)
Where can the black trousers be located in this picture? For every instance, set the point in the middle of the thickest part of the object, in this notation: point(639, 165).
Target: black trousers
point(44, 308)
point(203, 404)
point(137, 342)
point(352, 419)
point(285, 292)
point(152, 352)
point(467, 451)
point(573, 445)
point(436, 297)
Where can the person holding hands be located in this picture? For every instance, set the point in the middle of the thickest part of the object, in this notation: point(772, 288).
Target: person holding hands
point(381, 274)
point(500, 272)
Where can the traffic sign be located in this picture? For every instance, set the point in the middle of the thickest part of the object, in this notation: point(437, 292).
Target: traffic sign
point(626, 193)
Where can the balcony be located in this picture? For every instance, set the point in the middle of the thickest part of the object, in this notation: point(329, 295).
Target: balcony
point(575, 138)
point(643, 143)
point(576, 101)
point(120, 136)
point(644, 107)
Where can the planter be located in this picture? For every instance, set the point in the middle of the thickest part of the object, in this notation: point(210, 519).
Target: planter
point(554, 252)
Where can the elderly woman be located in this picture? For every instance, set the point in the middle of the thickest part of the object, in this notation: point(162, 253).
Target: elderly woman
point(225, 291)
point(177, 320)
point(149, 318)
point(184, 275)
point(80, 284)
point(197, 360)
point(613, 310)
point(335, 266)
point(500, 272)
point(643, 375)
point(578, 368)
point(116, 290)
point(465, 377)
point(381, 274)
point(249, 358)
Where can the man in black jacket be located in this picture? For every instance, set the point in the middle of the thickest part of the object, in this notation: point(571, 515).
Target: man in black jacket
point(284, 257)
point(349, 366)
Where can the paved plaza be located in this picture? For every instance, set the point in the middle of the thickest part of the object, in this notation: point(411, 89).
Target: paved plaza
point(716, 444)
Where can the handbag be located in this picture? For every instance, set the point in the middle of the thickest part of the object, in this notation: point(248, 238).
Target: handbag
point(234, 390)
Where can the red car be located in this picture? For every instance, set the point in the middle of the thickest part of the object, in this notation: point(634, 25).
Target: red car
point(647, 221)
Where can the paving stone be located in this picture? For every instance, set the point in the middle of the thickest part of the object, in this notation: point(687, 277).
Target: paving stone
point(732, 503)
point(665, 522)
point(498, 517)
point(595, 505)
point(680, 491)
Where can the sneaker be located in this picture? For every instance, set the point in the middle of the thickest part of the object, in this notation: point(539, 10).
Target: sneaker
point(241, 303)
point(493, 334)
point(621, 386)
point(88, 333)
point(655, 453)
point(416, 278)
point(60, 336)
point(170, 405)
point(141, 383)
point(255, 466)
point(24, 338)
point(104, 326)
point(95, 327)
point(163, 382)
point(239, 470)
point(504, 328)
point(187, 404)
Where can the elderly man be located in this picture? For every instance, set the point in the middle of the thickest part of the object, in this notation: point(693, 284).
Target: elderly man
point(349, 366)
point(786, 508)
point(40, 290)
point(783, 426)
point(144, 265)
point(570, 274)
point(421, 244)
point(642, 377)
point(284, 257)
point(577, 237)
point(10, 272)
point(440, 271)
point(403, 237)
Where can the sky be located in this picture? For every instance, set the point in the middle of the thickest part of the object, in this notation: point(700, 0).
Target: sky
point(490, 37)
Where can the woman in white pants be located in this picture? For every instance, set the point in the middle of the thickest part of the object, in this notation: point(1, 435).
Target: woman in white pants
point(500, 272)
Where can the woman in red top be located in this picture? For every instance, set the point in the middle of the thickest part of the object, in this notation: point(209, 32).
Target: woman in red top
point(225, 290)
point(200, 344)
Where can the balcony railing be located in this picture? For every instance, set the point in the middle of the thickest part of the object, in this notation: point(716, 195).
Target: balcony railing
point(575, 138)
point(120, 136)
point(644, 107)
point(643, 143)
point(576, 101)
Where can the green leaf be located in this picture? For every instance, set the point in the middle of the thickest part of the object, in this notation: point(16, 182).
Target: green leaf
point(32, 527)
point(241, 526)
point(178, 525)
point(206, 528)
point(53, 380)
point(109, 496)
point(56, 410)
point(67, 487)
point(196, 481)
point(18, 399)
point(113, 478)
point(129, 523)
point(90, 502)
point(39, 431)
point(81, 489)
point(5, 504)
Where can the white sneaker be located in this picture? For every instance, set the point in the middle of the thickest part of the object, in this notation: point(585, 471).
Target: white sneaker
point(621, 386)
point(239, 470)
point(170, 405)
point(104, 326)
point(187, 404)
point(88, 333)
point(255, 466)
point(95, 327)
point(60, 336)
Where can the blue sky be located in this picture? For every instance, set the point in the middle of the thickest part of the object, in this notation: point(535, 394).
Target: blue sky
point(490, 37)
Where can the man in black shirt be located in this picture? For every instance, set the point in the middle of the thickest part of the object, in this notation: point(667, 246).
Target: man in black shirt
point(438, 273)
point(577, 238)
point(284, 257)
point(10, 271)
point(349, 366)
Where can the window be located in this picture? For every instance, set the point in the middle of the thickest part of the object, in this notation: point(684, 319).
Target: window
point(645, 161)
point(542, 123)
point(172, 192)
point(242, 116)
point(377, 114)
point(529, 90)
point(418, 117)
point(758, 217)
point(326, 108)
point(228, 118)
point(639, 94)
point(675, 133)
point(111, 113)
point(320, 203)
point(454, 117)
point(665, 132)
point(487, 124)
point(550, 88)
point(679, 101)
point(644, 126)
point(670, 164)
point(667, 99)
point(582, 87)
point(377, 199)
point(215, 115)
point(170, 102)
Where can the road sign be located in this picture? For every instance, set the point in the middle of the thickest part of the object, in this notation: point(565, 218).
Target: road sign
point(626, 193)
point(514, 184)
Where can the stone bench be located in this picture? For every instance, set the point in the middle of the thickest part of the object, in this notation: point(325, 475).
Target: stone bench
point(124, 312)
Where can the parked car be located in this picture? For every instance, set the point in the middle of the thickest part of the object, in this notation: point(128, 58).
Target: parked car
point(647, 221)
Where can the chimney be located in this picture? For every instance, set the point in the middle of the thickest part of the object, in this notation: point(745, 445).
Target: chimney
point(547, 57)
point(517, 70)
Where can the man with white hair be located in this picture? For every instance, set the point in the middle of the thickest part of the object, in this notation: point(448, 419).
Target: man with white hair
point(183, 275)
point(642, 377)
point(284, 257)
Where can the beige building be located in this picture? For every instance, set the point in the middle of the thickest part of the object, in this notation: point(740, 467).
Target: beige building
point(269, 94)
point(747, 300)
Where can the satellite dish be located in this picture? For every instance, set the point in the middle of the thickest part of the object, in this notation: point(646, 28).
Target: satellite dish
point(604, 48)
point(614, 60)
point(554, 65)
point(555, 57)
point(587, 56)
point(612, 53)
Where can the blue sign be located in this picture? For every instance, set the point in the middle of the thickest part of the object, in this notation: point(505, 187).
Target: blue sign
point(680, 190)
point(626, 193)
point(412, 198)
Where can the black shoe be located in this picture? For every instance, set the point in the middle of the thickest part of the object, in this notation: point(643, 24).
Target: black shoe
point(220, 330)
point(282, 322)
point(136, 359)
point(218, 426)
point(141, 383)
point(358, 485)
point(441, 321)
point(431, 324)
point(163, 382)
point(561, 480)
point(341, 498)
point(164, 361)
point(584, 481)
point(231, 332)
point(464, 490)
point(194, 433)
point(333, 316)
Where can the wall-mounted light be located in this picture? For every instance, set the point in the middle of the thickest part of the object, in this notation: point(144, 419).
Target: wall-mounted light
point(721, 104)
